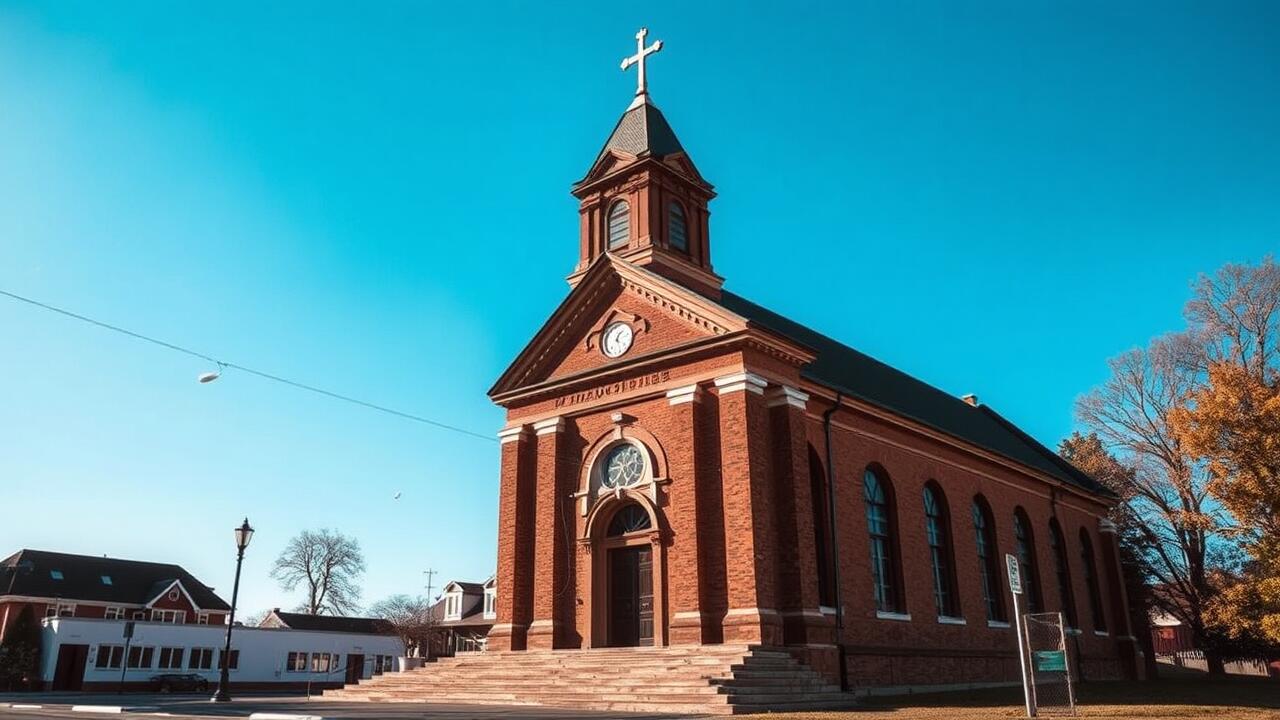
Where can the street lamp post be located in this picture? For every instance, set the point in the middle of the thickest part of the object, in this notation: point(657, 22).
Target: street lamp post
point(243, 535)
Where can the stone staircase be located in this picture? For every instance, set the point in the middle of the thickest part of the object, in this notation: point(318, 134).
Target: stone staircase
point(703, 679)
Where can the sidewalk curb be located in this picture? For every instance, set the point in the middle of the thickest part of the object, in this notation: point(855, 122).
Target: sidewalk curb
point(282, 716)
point(21, 706)
point(114, 709)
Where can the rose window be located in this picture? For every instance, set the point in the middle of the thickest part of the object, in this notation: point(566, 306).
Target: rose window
point(623, 467)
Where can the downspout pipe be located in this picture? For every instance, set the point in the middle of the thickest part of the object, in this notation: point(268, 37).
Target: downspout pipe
point(835, 545)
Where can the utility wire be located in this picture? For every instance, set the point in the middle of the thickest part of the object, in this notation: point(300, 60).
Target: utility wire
point(242, 368)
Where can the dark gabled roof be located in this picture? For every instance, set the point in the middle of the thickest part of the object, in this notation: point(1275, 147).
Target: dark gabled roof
point(30, 574)
point(642, 131)
point(334, 623)
point(468, 588)
point(472, 606)
point(842, 368)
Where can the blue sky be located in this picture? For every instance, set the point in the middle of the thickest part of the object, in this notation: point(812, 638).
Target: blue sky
point(996, 197)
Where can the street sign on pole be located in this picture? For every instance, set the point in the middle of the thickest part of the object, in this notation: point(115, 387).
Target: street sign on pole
point(1015, 574)
point(1015, 588)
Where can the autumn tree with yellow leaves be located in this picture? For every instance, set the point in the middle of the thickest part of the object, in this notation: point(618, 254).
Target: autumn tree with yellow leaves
point(1192, 420)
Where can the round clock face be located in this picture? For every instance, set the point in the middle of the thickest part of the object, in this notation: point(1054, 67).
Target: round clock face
point(616, 339)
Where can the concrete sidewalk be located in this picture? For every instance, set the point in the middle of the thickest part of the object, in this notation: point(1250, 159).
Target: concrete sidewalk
point(276, 707)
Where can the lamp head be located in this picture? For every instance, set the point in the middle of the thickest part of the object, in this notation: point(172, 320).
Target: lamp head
point(244, 534)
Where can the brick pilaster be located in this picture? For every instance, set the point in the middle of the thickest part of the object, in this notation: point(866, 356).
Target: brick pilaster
point(748, 519)
point(551, 551)
point(515, 541)
point(685, 568)
point(803, 621)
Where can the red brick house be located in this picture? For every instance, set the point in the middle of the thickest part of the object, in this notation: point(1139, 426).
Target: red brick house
point(85, 586)
point(681, 466)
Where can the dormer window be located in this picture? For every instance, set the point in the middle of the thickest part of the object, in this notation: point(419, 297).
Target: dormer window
point(677, 228)
point(490, 603)
point(619, 225)
point(453, 606)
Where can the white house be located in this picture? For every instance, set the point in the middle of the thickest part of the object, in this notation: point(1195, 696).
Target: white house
point(94, 654)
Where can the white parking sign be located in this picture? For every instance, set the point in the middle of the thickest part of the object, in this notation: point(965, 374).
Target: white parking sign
point(1015, 575)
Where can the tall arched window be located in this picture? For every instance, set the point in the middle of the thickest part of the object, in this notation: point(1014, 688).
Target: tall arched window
point(821, 529)
point(1025, 543)
point(984, 530)
point(619, 225)
point(938, 533)
point(677, 229)
point(1063, 572)
point(880, 527)
point(1091, 582)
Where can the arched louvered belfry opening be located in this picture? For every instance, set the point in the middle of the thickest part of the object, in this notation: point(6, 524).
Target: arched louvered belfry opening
point(937, 516)
point(984, 530)
point(619, 225)
point(677, 227)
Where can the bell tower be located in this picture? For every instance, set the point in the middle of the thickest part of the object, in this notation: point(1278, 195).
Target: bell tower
point(643, 200)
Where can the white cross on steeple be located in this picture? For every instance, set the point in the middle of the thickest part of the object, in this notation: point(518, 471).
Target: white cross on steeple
point(642, 85)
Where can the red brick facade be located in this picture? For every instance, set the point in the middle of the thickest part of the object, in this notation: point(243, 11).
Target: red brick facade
point(733, 432)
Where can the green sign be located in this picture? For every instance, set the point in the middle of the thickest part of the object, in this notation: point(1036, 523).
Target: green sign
point(1049, 660)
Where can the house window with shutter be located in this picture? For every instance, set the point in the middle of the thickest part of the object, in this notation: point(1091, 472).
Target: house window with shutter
point(619, 225)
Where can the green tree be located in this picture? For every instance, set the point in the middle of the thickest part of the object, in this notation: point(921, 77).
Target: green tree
point(20, 652)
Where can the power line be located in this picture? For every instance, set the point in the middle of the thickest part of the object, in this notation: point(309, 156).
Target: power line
point(243, 368)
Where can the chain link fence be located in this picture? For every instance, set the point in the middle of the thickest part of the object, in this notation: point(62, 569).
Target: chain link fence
point(1049, 669)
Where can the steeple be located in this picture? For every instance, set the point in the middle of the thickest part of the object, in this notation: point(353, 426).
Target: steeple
point(643, 199)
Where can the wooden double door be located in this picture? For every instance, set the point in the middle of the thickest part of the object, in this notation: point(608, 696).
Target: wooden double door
point(630, 596)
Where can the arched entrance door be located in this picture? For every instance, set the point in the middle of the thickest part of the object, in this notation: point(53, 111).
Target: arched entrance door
point(630, 578)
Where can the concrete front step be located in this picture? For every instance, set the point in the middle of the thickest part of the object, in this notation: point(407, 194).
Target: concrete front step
point(711, 679)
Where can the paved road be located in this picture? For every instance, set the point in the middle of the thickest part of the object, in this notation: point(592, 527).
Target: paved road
point(58, 705)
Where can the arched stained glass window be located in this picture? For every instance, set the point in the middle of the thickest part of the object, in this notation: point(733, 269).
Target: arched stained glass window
point(619, 225)
point(1063, 572)
point(630, 518)
point(988, 565)
point(880, 528)
point(677, 228)
point(1025, 544)
point(938, 534)
point(1091, 582)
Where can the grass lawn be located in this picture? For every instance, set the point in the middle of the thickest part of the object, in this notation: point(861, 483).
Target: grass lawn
point(1234, 698)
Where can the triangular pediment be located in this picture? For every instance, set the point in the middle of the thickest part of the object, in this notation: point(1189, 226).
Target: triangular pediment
point(658, 314)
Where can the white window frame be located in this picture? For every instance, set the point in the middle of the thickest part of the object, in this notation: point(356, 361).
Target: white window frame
point(113, 612)
point(146, 657)
point(172, 617)
point(203, 653)
point(490, 603)
point(165, 658)
point(453, 606)
point(60, 610)
point(297, 662)
point(115, 657)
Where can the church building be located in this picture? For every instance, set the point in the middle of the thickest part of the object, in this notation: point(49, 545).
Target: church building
point(683, 467)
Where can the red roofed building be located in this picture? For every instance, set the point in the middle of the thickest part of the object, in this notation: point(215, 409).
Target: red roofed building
point(85, 586)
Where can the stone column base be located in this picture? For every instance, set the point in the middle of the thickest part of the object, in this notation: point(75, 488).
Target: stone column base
point(753, 625)
point(508, 636)
point(687, 628)
point(542, 635)
point(809, 627)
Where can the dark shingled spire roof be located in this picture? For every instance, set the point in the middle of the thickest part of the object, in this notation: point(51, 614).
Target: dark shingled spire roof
point(644, 132)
